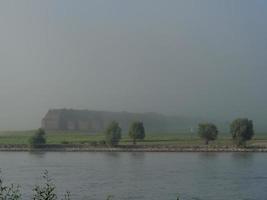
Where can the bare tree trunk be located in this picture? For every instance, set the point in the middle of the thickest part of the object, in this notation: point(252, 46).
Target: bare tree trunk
point(206, 142)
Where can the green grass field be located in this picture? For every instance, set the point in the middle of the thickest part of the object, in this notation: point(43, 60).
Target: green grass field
point(22, 137)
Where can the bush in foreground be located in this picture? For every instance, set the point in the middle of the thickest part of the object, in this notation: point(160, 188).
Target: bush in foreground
point(45, 191)
point(9, 192)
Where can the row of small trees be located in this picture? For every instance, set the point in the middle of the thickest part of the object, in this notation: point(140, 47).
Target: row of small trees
point(113, 132)
point(241, 131)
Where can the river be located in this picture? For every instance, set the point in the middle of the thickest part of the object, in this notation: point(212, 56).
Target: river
point(142, 176)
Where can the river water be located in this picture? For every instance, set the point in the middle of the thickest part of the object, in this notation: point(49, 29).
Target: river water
point(142, 176)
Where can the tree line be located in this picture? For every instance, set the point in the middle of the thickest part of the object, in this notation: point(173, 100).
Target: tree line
point(113, 132)
point(241, 130)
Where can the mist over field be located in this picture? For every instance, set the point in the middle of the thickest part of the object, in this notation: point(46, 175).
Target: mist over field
point(197, 59)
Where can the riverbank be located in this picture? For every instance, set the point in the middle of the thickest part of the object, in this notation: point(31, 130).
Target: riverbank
point(129, 148)
point(154, 142)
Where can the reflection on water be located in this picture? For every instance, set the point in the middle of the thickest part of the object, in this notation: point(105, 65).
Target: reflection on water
point(243, 156)
point(138, 155)
point(208, 155)
point(113, 154)
point(143, 176)
point(37, 154)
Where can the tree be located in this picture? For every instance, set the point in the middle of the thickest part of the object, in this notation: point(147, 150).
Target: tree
point(38, 138)
point(207, 132)
point(242, 131)
point(113, 133)
point(137, 131)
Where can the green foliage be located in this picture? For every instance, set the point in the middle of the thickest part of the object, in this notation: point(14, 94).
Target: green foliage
point(38, 138)
point(113, 133)
point(207, 132)
point(17, 139)
point(110, 197)
point(46, 191)
point(102, 142)
point(9, 192)
point(43, 192)
point(137, 131)
point(242, 131)
point(93, 143)
point(65, 142)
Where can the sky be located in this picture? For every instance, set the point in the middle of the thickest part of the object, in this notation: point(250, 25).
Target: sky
point(176, 57)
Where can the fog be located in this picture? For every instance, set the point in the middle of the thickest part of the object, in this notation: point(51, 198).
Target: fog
point(191, 58)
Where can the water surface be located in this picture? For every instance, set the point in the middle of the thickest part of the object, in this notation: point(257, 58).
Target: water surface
point(142, 176)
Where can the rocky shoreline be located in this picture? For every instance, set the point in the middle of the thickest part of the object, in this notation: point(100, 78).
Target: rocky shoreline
point(128, 148)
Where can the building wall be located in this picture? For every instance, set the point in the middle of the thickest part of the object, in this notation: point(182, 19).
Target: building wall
point(50, 124)
point(83, 125)
point(71, 126)
point(97, 121)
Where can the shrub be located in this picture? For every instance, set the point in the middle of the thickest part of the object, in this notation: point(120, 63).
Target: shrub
point(45, 191)
point(38, 138)
point(9, 192)
point(113, 133)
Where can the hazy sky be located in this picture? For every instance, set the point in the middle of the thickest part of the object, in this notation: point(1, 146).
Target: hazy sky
point(194, 58)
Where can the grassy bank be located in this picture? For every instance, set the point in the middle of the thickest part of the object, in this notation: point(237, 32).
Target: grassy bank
point(22, 137)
